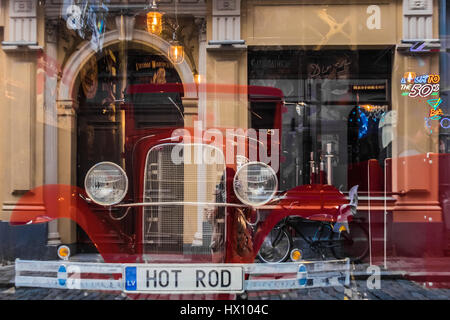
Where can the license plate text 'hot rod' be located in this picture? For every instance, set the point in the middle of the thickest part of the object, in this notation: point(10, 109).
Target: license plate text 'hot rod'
point(213, 279)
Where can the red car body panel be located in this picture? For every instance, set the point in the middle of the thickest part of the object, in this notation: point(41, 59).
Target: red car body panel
point(315, 202)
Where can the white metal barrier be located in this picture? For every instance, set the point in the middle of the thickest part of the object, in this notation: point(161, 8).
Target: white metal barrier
point(181, 278)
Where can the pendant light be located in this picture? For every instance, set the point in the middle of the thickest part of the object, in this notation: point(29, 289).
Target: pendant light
point(176, 50)
point(154, 19)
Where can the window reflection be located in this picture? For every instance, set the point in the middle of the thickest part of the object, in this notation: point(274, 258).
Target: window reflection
point(335, 100)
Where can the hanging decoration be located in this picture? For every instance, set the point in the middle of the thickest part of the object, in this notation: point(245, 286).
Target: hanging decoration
point(154, 19)
point(176, 50)
point(97, 23)
point(87, 20)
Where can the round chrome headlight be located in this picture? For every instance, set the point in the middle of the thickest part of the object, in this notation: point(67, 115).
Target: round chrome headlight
point(255, 183)
point(106, 183)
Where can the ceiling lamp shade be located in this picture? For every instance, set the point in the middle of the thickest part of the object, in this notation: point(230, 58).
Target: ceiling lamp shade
point(154, 22)
point(154, 19)
point(176, 52)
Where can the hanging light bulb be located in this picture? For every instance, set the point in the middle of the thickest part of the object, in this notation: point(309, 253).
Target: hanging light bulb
point(154, 20)
point(176, 51)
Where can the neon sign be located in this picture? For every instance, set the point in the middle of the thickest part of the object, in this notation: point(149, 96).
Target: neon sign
point(444, 123)
point(369, 87)
point(423, 85)
point(422, 46)
point(436, 113)
point(423, 90)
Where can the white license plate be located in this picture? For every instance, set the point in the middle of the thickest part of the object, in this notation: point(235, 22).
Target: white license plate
point(184, 279)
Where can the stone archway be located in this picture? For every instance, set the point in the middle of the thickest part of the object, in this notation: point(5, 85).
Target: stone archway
point(66, 137)
point(84, 52)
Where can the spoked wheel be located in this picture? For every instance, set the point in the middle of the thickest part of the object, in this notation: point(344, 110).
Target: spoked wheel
point(353, 245)
point(276, 246)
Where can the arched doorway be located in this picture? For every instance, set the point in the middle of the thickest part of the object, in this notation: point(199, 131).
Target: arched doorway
point(100, 128)
point(67, 101)
point(101, 86)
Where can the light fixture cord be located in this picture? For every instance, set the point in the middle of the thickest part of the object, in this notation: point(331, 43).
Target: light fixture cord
point(176, 12)
point(176, 20)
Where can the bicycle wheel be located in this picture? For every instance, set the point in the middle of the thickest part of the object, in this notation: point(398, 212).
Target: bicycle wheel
point(354, 245)
point(279, 252)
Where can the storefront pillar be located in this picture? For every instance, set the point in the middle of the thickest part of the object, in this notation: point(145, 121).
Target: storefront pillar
point(50, 120)
point(201, 172)
point(417, 228)
point(66, 155)
point(226, 64)
point(228, 68)
point(201, 78)
point(22, 129)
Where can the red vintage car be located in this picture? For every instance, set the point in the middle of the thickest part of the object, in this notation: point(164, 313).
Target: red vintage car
point(196, 195)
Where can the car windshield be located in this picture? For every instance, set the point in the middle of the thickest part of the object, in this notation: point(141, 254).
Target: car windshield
point(157, 109)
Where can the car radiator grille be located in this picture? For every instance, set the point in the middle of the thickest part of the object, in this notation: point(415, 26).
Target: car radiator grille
point(182, 228)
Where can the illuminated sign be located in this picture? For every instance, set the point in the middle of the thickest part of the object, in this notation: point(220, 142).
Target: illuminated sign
point(445, 123)
point(423, 90)
point(436, 113)
point(425, 85)
point(369, 87)
point(423, 46)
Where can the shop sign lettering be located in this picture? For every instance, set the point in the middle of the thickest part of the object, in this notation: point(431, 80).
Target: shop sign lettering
point(425, 85)
point(423, 90)
point(330, 71)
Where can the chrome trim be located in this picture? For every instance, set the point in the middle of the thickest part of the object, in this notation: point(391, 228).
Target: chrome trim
point(114, 165)
point(123, 216)
point(316, 274)
point(181, 203)
point(268, 199)
point(373, 198)
point(88, 200)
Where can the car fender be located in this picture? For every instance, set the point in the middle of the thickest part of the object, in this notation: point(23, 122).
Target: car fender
point(50, 202)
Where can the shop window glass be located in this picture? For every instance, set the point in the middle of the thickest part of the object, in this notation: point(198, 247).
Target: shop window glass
point(335, 102)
